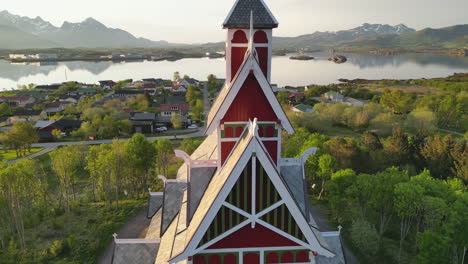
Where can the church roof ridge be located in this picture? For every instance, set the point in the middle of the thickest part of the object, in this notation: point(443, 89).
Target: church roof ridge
point(239, 16)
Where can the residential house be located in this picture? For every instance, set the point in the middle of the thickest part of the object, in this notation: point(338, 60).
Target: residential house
point(70, 98)
point(188, 81)
point(353, 102)
point(334, 96)
point(51, 87)
point(21, 115)
point(158, 82)
point(124, 94)
point(85, 91)
point(302, 108)
point(64, 125)
point(107, 84)
point(143, 122)
point(17, 100)
point(179, 89)
point(295, 98)
point(54, 108)
point(174, 104)
point(33, 93)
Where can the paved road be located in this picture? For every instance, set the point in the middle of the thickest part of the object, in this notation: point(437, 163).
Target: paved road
point(132, 229)
point(452, 132)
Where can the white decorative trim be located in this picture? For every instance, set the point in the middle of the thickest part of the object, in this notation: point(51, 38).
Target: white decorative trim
point(137, 241)
point(254, 188)
point(222, 236)
point(237, 210)
point(286, 235)
point(331, 234)
point(269, 209)
point(227, 250)
point(235, 86)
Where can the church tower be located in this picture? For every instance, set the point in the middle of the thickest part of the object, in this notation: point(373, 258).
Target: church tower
point(247, 93)
point(238, 25)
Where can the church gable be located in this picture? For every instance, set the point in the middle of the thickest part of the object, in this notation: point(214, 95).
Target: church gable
point(250, 103)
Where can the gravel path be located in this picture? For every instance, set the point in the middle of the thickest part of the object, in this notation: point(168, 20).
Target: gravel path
point(132, 229)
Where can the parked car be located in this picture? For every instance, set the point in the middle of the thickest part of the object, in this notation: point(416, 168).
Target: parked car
point(161, 129)
point(192, 126)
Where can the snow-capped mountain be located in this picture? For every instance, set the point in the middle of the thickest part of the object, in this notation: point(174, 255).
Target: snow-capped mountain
point(89, 33)
point(35, 26)
point(379, 29)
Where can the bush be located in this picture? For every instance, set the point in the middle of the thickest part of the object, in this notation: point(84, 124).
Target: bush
point(365, 237)
point(56, 248)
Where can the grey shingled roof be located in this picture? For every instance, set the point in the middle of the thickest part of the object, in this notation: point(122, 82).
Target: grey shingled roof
point(199, 180)
point(293, 176)
point(173, 195)
point(334, 243)
point(155, 202)
point(240, 15)
point(135, 253)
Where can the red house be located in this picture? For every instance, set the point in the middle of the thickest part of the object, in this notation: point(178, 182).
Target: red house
point(235, 200)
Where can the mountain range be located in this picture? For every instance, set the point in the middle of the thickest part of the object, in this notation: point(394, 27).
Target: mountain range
point(24, 32)
point(19, 32)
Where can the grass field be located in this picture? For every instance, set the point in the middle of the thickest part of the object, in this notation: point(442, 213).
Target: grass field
point(10, 154)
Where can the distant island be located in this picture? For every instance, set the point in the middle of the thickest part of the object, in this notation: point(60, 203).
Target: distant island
point(301, 57)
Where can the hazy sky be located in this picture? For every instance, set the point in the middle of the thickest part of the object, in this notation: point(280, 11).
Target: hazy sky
point(192, 21)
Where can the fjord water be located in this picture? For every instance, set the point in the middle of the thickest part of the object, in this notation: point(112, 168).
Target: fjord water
point(284, 70)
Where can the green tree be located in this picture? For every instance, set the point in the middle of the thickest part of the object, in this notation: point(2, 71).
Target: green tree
point(189, 145)
point(176, 120)
point(282, 97)
point(327, 166)
point(141, 155)
point(338, 198)
point(165, 152)
point(408, 205)
point(5, 109)
point(19, 185)
point(57, 134)
point(421, 121)
point(365, 237)
point(397, 101)
point(176, 76)
point(21, 137)
point(438, 152)
point(65, 164)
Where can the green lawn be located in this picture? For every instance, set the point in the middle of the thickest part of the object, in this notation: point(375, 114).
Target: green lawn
point(10, 154)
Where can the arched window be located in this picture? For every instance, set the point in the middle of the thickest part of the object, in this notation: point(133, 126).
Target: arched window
point(270, 131)
point(272, 258)
point(287, 257)
point(302, 256)
point(214, 259)
point(239, 37)
point(198, 259)
point(260, 37)
point(229, 132)
point(230, 259)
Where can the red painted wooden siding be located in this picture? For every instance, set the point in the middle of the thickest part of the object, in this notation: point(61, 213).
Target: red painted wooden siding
point(239, 37)
point(302, 256)
point(272, 148)
point(287, 257)
point(237, 58)
point(272, 258)
point(247, 237)
point(198, 259)
point(263, 59)
point(214, 259)
point(226, 148)
point(250, 103)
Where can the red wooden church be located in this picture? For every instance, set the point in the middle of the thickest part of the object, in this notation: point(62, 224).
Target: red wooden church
point(236, 200)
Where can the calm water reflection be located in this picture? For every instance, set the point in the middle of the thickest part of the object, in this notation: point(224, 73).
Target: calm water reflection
point(285, 71)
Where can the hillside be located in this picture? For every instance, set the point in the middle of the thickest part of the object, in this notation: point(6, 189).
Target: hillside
point(13, 38)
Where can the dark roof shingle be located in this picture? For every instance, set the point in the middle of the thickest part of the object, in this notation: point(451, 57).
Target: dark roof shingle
point(239, 17)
